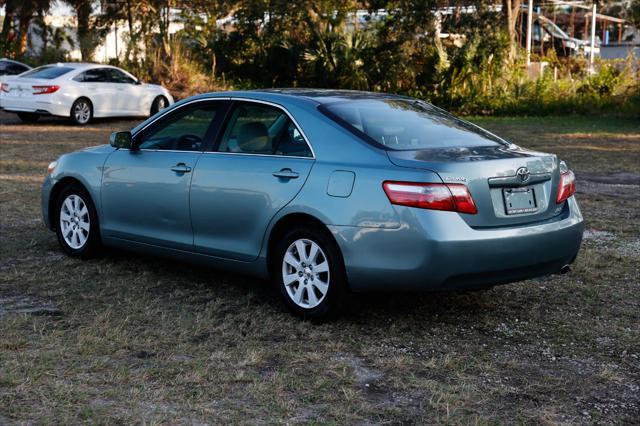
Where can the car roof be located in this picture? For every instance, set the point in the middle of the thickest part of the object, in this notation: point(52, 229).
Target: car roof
point(14, 61)
point(317, 96)
point(79, 65)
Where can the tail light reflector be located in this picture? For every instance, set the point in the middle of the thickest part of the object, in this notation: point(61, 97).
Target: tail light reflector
point(44, 90)
point(566, 187)
point(453, 197)
point(4, 87)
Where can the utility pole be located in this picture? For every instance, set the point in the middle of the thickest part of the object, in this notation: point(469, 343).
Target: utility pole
point(594, 11)
point(529, 30)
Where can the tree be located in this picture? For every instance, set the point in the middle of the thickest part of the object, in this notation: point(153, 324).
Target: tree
point(86, 38)
point(510, 12)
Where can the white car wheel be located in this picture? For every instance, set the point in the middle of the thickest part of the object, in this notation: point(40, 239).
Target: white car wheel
point(81, 111)
point(75, 222)
point(305, 273)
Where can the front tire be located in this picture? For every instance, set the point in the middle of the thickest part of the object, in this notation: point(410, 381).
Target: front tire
point(81, 111)
point(159, 103)
point(28, 117)
point(309, 272)
point(77, 223)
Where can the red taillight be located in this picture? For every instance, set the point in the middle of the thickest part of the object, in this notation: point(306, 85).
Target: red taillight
point(4, 87)
point(44, 90)
point(453, 197)
point(566, 187)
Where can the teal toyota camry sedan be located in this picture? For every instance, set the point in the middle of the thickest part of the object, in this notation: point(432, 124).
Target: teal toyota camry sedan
point(324, 192)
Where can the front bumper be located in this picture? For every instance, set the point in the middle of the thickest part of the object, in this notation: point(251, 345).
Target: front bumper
point(45, 195)
point(434, 250)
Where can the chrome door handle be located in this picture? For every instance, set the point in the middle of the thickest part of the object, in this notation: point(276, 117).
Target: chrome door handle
point(286, 174)
point(181, 168)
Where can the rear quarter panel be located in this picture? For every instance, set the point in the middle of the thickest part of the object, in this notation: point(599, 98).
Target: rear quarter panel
point(336, 149)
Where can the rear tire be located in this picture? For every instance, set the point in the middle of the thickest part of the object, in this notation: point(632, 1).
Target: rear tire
point(159, 103)
point(81, 111)
point(76, 222)
point(308, 269)
point(28, 117)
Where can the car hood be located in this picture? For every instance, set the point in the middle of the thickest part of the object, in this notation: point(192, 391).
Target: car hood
point(152, 86)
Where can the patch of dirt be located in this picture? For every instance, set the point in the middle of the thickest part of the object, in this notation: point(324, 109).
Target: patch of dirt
point(11, 304)
point(622, 185)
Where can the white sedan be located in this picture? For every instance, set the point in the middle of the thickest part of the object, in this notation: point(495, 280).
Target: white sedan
point(80, 92)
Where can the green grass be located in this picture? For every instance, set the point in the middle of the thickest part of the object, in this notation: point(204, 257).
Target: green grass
point(128, 338)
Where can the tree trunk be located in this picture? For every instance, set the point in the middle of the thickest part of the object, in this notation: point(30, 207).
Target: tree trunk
point(85, 38)
point(26, 13)
point(7, 24)
point(510, 12)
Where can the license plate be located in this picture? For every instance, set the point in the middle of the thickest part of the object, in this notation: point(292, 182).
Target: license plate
point(519, 200)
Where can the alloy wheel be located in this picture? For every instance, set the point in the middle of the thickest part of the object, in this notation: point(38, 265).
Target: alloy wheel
point(74, 221)
point(82, 112)
point(305, 273)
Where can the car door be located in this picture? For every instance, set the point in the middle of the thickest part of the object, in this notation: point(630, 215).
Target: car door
point(129, 96)
point(145, 190)
point(94, 84)
point(257, 167)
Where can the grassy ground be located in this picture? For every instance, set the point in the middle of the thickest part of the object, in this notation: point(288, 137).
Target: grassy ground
point(128, 338)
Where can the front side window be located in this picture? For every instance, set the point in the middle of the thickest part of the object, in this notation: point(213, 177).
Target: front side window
point(117, 76)
point(183, 130)
point(262, 129)
point(400, 124)
point(48, 72)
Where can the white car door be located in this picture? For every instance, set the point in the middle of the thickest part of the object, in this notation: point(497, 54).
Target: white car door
point(94, 84)
point(129, 97)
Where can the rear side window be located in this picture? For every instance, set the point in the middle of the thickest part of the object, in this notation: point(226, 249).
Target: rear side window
point(262, 129)
point(399, 124)
point(95, 75)
point(11, 68)
point(47, 72)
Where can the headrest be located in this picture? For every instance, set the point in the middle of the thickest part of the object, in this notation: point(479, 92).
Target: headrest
point(254, 137)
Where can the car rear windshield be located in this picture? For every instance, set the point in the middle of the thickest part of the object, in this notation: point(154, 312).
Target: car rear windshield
point(47, 72)
point(399, 124)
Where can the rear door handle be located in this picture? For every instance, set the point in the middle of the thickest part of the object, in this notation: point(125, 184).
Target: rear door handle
point(181, 168)
point(286, 174)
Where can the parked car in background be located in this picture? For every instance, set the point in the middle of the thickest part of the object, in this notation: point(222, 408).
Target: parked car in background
point(11, 67)
point(81, 92)
point(547, 35)
point(324, 191)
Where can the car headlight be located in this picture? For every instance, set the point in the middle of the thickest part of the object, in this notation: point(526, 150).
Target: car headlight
point(52, 167)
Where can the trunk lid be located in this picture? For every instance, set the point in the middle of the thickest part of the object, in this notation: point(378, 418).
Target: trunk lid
point(509, 185)
point(23, 87)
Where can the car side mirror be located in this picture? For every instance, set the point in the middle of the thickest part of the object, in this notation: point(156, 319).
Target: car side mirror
point(121, 140)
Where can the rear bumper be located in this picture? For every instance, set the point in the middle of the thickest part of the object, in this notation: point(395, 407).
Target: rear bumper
point(434, 250)
point(45, 106)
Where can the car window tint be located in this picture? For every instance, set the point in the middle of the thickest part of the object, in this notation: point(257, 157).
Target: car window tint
point(407, 125)
point(11, 68)
point(16, 69)
point(261, 129)
point(183, 130)
point(95, 75)
point(117, 76)
point(47, 72)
